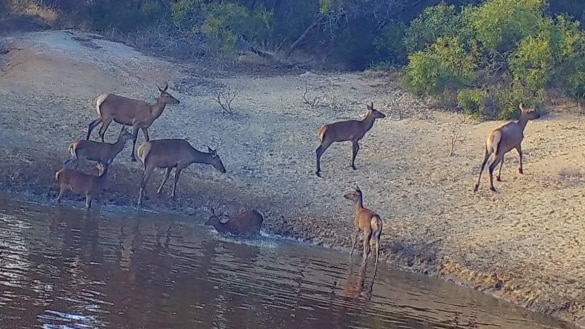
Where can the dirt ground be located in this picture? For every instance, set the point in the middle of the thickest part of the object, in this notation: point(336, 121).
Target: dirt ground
point(525, 243)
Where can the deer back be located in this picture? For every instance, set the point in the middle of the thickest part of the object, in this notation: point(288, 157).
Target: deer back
point(245, 223)
point(165, 153)
point(80, 182)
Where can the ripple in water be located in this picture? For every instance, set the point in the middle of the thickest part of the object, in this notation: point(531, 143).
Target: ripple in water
point(63, 268)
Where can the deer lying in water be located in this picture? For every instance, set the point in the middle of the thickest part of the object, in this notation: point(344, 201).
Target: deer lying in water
point(247, 223)
point(343, 131)
point(366, 221)
point(129, 112)
point(169, 154)
point(502, 140)
point(100, 151)
point(79, 182)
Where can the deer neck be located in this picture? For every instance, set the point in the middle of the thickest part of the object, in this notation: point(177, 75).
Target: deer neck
point(119, 144)
point(368, 122)
point(157, 108)
point(199, 157)
point(359, 205)
point(522, 122)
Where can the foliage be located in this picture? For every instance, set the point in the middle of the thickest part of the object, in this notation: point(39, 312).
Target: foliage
point(473, 101)
point(446, 65)
point(435, 22)
point(515, 53)
point(500, 24)
point(483, 55)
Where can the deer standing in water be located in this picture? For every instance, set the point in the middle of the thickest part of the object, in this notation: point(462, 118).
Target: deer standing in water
point(129, 112)
point(343, 131)
point(366, 221)
point(101, 152)
point(169, 154)
point(79, 182)
point(502, 140)
point(247, 223)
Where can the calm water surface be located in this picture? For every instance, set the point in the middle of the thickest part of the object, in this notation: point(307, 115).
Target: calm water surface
point(62, 268)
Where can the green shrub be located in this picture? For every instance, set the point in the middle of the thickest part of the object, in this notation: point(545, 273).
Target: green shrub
point(435, 22)
point(446, 65)
point(500, 24)
point(473, 102)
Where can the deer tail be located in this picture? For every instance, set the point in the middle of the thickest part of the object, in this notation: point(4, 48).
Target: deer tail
point(99, 101)
point(143, 151)
point(322, 132)
point(493, 142)
point(57, 174)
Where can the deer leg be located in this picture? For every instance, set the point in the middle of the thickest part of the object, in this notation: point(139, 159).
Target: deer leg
point(104, 127)
point(145, 177)
point(177, 175)
point(88, 201)
point(354, 242)
point(486, 156)
point(61, 192)
point(499, 177)
point(519, 149)
point(92, 126)
point(167, 174)
point(145, 132)
point(493, 166)
point(134, 137)
point(377, 241)
point(319, 152)
point(354, 151)
point(367, 237)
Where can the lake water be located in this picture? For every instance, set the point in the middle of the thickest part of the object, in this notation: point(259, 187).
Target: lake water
point(63, 268)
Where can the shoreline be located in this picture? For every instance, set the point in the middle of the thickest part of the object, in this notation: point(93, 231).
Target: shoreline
point(524, 244)
point(414, 259)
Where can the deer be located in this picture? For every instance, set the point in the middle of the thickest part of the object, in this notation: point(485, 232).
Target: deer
point(247, 223)
point(366, 221)
point(129, 112)
point(169, 154)
point(502, 140)
point(101, 152)
point(343, 131)
point(69, 178)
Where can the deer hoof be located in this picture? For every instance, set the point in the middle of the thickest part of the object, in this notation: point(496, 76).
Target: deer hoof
point(493, 189)
point(476, 188)
point(520, 171)
point(318, 174)
point(498, 178)
point(353, 167)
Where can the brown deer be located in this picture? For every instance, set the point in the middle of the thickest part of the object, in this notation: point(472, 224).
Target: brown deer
point(169, 154)
point(129, 112)
point(502, 140)
point(366, 221)
point(80, 182)
point(247, 223)
point(343, 131)
point(101, 152)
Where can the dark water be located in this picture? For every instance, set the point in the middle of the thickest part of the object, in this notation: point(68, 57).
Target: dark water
point(62, 268)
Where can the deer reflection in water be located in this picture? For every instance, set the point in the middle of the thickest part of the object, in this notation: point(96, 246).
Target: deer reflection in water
point(356, 287)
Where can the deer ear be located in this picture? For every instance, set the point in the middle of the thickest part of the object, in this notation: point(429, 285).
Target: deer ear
point(210, 150)
point(372, 105)
point(166, 87)
point(521, 107)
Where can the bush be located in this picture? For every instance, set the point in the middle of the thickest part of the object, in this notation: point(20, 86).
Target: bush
point(473, 102)
point(444, 66)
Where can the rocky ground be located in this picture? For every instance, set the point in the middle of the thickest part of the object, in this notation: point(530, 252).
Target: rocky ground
point(417, 167)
